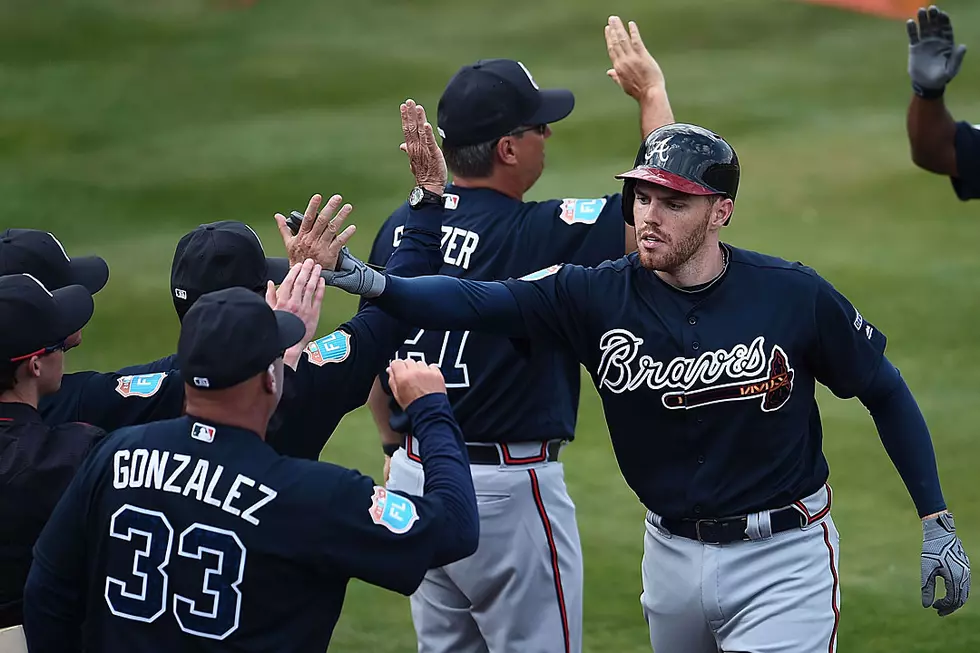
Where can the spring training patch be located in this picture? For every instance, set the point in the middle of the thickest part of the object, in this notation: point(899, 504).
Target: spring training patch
point(541, 274)
point(576, 211)
point(140, 385)
point(393, 511)
point(333, 348)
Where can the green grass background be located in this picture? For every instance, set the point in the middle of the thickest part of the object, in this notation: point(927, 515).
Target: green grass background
point(125, 123)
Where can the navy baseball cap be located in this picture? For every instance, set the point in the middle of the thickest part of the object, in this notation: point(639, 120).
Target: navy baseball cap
point(39, 254)
point(35, 321)
point(486, 100)
point(230, 335)
point(221, 255)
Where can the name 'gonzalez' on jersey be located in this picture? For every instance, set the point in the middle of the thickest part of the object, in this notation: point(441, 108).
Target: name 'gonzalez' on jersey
point(729, 370)
point(502, 390)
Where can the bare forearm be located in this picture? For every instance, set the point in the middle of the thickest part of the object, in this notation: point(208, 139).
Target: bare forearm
point(932, 132)
point(655, 111)
point(380, 407)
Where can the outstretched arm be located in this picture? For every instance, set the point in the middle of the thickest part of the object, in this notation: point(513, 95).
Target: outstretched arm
point(636, 71)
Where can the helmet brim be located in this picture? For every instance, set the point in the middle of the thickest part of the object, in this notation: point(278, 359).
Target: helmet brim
point(668, 180)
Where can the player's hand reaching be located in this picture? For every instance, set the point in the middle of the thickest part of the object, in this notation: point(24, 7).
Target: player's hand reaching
point(424, 156)
point(633, 67)
point(319, 236)
point(943, 556)
point(410, 379)
point(355, 276)
point(300, 293)
point(934, 59)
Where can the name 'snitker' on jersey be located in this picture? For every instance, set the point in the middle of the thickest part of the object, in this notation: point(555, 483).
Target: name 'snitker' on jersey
point(768, 377)
point(159, 470)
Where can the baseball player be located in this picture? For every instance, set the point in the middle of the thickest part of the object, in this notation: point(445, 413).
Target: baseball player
point(194, 534)
point(706, 358)
point(517, 405)
point(38, 461)
point(939, 144)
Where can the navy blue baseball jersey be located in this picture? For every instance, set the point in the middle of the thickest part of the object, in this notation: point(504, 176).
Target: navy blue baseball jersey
point(967, 182)
point(190, 535)
point(334, 376)
point(503, 390)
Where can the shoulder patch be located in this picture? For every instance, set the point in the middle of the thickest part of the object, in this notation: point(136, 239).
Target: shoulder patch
point(541, 274)
point(450, 202)
point(203, 432)
point(333, 348)
point(393, 511)
point(140, 385)
point(577, 211)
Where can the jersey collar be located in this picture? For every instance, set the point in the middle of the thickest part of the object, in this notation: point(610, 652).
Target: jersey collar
point(18, 412)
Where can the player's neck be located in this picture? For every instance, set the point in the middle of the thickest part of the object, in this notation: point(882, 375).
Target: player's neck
point(706, 265)
point(240, 412)
point(502, 183)
point(23, 393)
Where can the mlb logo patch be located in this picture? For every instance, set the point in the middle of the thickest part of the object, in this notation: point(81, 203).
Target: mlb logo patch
point(333, 348)
point(450, 201)
point(393, 511)
point(203, 432)
point(576, 211)
point(140, 385)
point(541, 274)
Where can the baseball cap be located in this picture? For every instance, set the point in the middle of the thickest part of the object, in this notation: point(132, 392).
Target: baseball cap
point(230, 335)
point(35, 320)
point(38, 253)
point(221, 255)
point(492, 97)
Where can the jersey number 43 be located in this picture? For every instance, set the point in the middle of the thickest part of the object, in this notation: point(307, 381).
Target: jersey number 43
point(141, 594)
point(445, 349)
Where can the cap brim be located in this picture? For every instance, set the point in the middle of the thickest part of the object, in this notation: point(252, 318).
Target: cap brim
point(75, 306)
point(92, 272)
point(556, 104)
point(279, 268)
point(291, 329)
point(669, 180)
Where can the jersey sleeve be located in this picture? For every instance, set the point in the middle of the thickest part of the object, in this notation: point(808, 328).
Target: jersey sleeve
point(577, 231)
point(967, 183)
point(554, 304)
point(849, 348)
point(112, 401)
point(164, 364)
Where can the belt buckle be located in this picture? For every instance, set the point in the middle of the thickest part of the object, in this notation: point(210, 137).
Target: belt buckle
point(697, 529)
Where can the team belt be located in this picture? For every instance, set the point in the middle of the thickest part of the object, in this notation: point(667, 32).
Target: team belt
point(488, 454)
point(730, 529)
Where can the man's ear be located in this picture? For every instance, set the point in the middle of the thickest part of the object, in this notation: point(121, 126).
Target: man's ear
point(721, 212)
point(33, 367)
point(269, 383)
point(506, 152)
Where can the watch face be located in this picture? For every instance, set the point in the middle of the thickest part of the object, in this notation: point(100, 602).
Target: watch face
point(416, 196)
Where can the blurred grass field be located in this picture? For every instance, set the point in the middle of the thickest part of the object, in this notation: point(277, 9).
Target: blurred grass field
point(124, 124)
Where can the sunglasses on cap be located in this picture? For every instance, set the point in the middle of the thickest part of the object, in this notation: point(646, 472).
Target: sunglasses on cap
point(44, 351)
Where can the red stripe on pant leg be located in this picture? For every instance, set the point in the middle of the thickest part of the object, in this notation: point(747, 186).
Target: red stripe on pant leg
point(833, 598)
point(554, 554)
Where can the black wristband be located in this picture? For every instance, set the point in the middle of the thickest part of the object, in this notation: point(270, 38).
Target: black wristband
point(390, 448)
point(928, 93)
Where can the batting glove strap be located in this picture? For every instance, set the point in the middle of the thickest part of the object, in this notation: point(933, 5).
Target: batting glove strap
point(355, 276)
point(943, 556)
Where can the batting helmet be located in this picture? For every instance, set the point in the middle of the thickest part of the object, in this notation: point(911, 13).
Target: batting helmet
point(686, 158)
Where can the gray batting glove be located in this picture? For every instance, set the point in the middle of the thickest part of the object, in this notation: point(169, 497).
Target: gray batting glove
point(355, 276)
point(943, 555)
point(933, 59)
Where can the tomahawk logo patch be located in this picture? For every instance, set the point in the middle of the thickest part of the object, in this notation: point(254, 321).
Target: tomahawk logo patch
point(576, 211)
point(393, 511)
point(140, 385)
point(334, 348)
point(741, 373)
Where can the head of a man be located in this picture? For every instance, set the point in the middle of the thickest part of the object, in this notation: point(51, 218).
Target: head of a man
point(41, 255)
point(679, 194)
point(218, 256)
point(494, 120)
point(35, 324)
point(230, 353)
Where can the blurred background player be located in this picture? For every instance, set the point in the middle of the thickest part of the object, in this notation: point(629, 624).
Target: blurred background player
point(517, 404)
point(194, 533)
point(939, 144)
point(36, 461)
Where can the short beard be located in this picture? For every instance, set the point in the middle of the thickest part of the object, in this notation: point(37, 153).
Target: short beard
point(679, 254)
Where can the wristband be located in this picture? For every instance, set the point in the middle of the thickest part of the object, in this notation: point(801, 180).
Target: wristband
point(390, 449)
point(928, 93)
